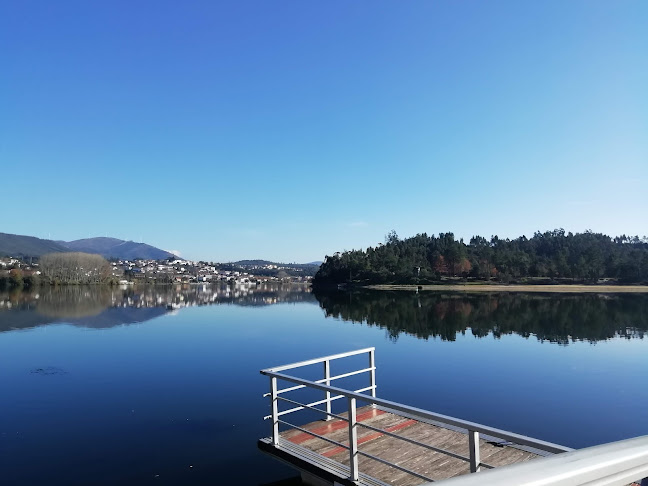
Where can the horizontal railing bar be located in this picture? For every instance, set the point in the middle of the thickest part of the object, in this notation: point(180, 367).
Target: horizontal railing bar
point(318, 360)
point(415, 442)
point(464, 424)
point(345, 375)
point(323, 380)
point(400, 468)
point(302, 405)
point(487, 466)
point(297, 409)
point(319, 402)
point(339, 444)
point(285, 390)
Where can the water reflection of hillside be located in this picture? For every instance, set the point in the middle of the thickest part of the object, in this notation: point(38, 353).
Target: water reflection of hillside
point(104, 307)
point(554, 318)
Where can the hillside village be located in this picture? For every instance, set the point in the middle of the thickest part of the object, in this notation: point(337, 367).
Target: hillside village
point(176, 270)
point(187, 271)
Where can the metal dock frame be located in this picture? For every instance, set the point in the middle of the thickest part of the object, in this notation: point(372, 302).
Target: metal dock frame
point(307, 460)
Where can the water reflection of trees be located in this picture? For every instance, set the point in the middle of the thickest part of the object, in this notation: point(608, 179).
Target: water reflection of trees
point(104, 307)
point(554, 318)
point(72, 301)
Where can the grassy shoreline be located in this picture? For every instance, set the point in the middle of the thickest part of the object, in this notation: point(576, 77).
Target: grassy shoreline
point(607, 289)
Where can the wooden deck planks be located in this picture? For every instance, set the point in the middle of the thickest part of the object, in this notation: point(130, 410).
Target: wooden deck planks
point(433, 465)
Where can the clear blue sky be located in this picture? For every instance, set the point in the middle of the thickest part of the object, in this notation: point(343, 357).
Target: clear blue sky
point(291, 130)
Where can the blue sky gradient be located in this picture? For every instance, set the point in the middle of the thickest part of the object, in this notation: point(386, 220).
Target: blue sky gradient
point(291, 130)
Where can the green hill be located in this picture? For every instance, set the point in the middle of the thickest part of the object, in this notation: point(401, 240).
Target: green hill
point(27, 246)
point(115, 248)
point(30, 246)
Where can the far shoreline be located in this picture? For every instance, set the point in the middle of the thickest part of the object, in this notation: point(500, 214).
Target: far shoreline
point(560, 288)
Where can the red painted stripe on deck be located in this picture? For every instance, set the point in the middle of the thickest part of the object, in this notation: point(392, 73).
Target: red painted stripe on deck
point(333, 426)
point(367, 438)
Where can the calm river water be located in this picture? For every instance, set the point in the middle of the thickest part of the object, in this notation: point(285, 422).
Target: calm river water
point(162, 386)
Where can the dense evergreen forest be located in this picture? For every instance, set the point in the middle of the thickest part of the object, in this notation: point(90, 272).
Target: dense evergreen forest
point(556, 255)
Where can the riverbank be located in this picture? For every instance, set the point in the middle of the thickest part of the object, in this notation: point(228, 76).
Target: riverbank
point(598, 289)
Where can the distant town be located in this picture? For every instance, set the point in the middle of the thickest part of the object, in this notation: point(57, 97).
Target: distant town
point(178, 270)
point(27, 260)
point(187, 271)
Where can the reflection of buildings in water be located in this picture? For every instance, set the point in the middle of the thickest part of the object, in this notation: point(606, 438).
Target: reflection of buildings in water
point(196, 295)
point(104, 307)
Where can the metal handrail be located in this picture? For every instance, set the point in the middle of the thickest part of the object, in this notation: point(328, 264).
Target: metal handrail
point(339, 417)
point(463, 424)
point(323, 380)
point(299, 364)
point(334, 393)
point(312, 404)
point(613, 464)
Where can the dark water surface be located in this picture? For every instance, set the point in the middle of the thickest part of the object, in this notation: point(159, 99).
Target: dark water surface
point(161, 386)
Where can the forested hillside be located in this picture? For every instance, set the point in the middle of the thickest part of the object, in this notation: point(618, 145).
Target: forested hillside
point(27, 246)
point(30, 246)
point(554, 254)
point(116, 248)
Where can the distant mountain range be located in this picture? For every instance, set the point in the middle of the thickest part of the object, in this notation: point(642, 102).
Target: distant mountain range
point(30, 246)
point(27, 246)
point(115, 248)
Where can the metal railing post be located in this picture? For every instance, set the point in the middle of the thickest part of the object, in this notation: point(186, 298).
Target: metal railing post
point(327, 376)
point(473, 446)
point(275, 410)
point(353, 441)
point(372, 373)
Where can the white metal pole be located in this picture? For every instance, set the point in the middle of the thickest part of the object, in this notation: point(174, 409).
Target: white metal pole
point(353, 441)
point(473, 445)
point(327, 377)
point(275, 410)
point(372, 373)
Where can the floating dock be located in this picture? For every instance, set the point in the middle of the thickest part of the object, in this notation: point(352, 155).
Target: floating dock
point(380, 442)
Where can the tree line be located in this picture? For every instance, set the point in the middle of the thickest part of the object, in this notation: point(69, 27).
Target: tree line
point(555, 254)
point(71, 268)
